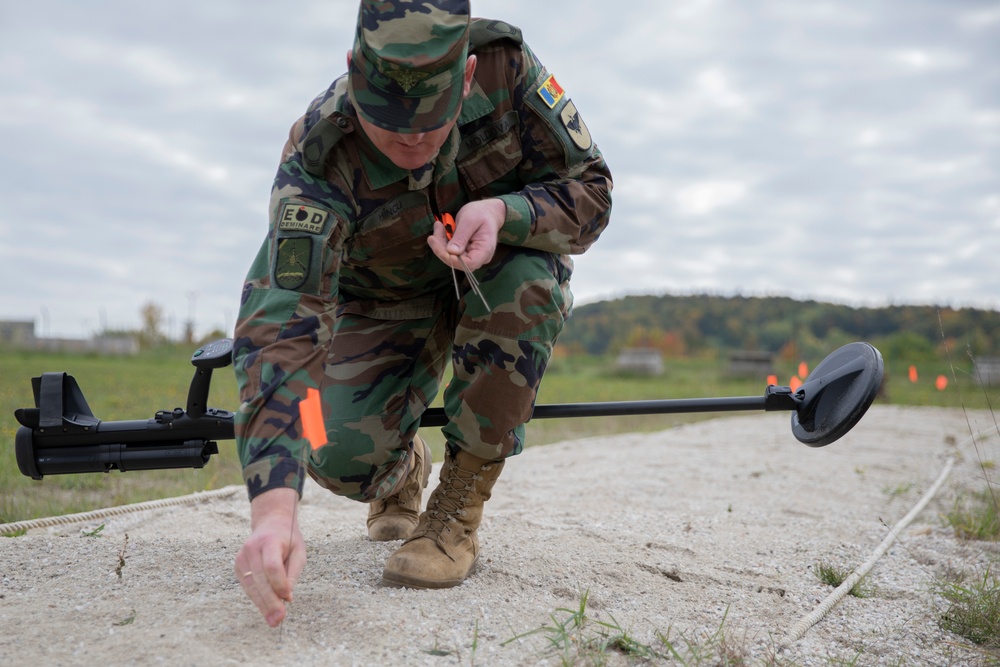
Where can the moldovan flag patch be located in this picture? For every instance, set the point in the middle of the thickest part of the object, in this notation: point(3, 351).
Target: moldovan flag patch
point(551, 92)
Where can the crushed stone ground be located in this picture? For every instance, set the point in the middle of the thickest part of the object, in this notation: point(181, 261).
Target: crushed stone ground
point(671, 534)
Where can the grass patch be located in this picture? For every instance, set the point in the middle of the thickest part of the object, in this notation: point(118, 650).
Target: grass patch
point(578, 639)
point(714, 650)
point(898, 490)
point(974, 610)
point(831, 575)
point(974, 516)
point(973, 605)
point(94, 533)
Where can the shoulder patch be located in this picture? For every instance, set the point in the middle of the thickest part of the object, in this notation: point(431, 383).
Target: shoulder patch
point(579, 133)
point(484, 31)
point(301, 231)
point(320, 140)
point(302, 218)
point(550, 91)
point(292, 264)
point(554, 107)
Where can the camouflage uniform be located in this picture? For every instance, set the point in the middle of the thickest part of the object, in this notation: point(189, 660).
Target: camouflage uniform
point(345, 295)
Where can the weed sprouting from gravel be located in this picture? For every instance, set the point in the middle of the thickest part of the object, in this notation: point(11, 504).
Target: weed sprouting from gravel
point(578, 639)
point(973, 609)
point(831, 575)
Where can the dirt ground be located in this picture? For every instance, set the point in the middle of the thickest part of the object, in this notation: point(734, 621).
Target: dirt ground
point(676, 534)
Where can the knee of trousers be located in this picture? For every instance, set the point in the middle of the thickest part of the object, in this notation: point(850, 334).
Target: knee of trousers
point(499, 360)
point(528, 291)
point(362, 461)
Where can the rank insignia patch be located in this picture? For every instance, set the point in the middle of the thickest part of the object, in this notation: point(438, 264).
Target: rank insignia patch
point(301, 218)
point(551, 92)
point(292, 266)
point(578, 131)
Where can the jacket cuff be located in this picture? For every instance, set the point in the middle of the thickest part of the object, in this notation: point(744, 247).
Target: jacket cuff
point(274, 472)
point(517, 223)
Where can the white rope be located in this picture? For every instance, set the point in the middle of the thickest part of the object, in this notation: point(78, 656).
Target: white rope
point(197, 497)
point(800, 628)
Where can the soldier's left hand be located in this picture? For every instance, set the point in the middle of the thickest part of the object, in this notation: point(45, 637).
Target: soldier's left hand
point(477, 226)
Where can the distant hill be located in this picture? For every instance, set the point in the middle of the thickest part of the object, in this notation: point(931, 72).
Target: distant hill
point(707, 324)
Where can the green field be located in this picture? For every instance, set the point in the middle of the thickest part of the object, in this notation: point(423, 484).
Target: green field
point(135, 388)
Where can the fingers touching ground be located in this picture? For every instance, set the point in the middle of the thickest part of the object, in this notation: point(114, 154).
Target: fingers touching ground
point(271, 560)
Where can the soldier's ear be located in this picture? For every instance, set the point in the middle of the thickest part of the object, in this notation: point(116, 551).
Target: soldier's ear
point(470, 69)
point(349, 53)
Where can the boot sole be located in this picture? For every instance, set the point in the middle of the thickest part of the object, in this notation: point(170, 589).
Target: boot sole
point(403, 581)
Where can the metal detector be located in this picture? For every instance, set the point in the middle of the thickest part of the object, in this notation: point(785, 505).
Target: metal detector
point(61, 434)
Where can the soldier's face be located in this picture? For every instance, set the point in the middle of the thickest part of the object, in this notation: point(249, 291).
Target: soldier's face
point(408, 151)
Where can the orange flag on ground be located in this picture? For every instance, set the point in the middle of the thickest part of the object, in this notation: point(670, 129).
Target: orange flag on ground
point(311, 412)
point(772, 380)
point(913, 373)
point(941, 383)
point(803, 369)
point(794, 383)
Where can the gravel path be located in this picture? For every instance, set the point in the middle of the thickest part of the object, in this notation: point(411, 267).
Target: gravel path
point(678, 533)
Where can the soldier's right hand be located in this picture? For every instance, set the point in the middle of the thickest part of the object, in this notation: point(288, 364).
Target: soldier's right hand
point(477, 226)
point(271, 560)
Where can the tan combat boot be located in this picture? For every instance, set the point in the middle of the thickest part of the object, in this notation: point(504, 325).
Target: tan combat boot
point(444, 547)
point(395, 517)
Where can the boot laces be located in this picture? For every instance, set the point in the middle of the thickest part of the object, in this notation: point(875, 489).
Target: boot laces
point(450, 502)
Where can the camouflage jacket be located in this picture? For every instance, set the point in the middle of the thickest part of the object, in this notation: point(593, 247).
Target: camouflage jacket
point(348, 229)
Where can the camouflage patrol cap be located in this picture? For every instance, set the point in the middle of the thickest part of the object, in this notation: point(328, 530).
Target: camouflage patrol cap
point(408, 63)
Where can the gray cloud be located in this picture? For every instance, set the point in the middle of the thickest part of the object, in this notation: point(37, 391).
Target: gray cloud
point(823, 149)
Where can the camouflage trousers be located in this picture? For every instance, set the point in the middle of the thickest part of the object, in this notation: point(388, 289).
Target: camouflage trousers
point(382, 374)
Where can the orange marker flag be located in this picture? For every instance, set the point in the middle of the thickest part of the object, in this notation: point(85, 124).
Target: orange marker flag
point(311, 412)
point(772, 380)
point(941, 383)
point(913, 373)
point(803, 369)
point(794, 383)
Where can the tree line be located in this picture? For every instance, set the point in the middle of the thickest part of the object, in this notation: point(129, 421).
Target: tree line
point(699, 325)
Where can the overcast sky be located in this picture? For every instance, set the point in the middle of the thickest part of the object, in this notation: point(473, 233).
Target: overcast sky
point(842, 151)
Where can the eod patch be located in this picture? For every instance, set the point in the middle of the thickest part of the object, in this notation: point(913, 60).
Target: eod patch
point(302, 230)
point(302, 218)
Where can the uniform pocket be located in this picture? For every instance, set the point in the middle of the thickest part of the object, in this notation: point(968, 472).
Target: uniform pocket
point(396, 231)
point(490, 152)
